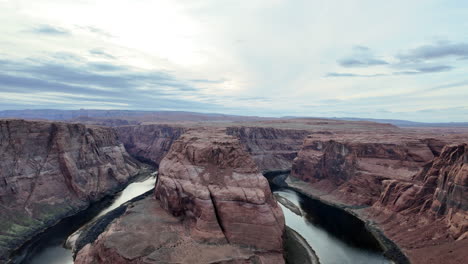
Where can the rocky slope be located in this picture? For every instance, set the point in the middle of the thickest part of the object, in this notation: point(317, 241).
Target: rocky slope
point(212, 206)
point(51, 170)
point(409, 185)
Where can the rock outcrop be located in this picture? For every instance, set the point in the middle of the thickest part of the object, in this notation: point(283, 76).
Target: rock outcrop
point(211, 205)
point(149, 143)
point(52, 170)
point(217, 187)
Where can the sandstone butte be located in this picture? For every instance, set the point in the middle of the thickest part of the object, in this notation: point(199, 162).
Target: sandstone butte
point(52, 170)
point(211, 205)
point(411, 186)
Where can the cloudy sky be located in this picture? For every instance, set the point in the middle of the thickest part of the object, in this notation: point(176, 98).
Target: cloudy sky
point(354, 58)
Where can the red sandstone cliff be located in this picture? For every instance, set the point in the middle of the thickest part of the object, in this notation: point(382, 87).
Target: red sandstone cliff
point(209, 179)
point(415, 189)
point(429, 216)
point(213, 206)
point(352, 167)
point(271, 148)
point(50, 170)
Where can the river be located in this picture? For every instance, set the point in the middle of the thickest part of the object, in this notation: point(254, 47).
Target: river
point(336, 238)
point(55, 253)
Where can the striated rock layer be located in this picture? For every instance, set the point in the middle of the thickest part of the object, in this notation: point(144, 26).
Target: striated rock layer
point(352, 168)
point(429, 217)
point(271, 148)
point(216, 186)
point(51, 170)
point(410, 186)
point(213, 206)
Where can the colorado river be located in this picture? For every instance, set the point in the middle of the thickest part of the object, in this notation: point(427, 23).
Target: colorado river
point(335, 238)
point(55, 253)
point(355, 247)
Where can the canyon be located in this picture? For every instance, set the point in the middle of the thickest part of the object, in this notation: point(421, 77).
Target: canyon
point(411, 186)
point(407, 184)
point(52, 170)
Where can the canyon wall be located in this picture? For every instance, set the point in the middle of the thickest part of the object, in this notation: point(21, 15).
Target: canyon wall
point(52, 170)
point(413, 187)
point(352, 167)
point(271, 148)
point(212, 206)
point(439, 191)
point(149, 143)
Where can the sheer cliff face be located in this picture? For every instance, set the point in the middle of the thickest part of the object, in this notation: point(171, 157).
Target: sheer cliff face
point(149, 143)
point(212, 206)
point(451, 194)
point(210, 180)
point(49, 170)
point(352, 167)
point(440, 190)
point(271, 148)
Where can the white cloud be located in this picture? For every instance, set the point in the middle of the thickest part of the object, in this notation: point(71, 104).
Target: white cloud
point(276, 51)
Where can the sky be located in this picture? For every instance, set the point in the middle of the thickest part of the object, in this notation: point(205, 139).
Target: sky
point(355, 58)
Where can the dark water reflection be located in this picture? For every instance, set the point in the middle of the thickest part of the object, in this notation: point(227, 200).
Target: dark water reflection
point(336, 236)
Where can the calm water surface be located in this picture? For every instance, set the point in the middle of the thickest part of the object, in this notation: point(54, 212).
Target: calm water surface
point(330, 248)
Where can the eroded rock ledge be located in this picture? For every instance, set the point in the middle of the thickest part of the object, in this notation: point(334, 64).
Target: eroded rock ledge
point(211, 205)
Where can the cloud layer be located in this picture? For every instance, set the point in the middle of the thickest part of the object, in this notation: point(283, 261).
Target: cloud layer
point(49, 30)
point(264, 57)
